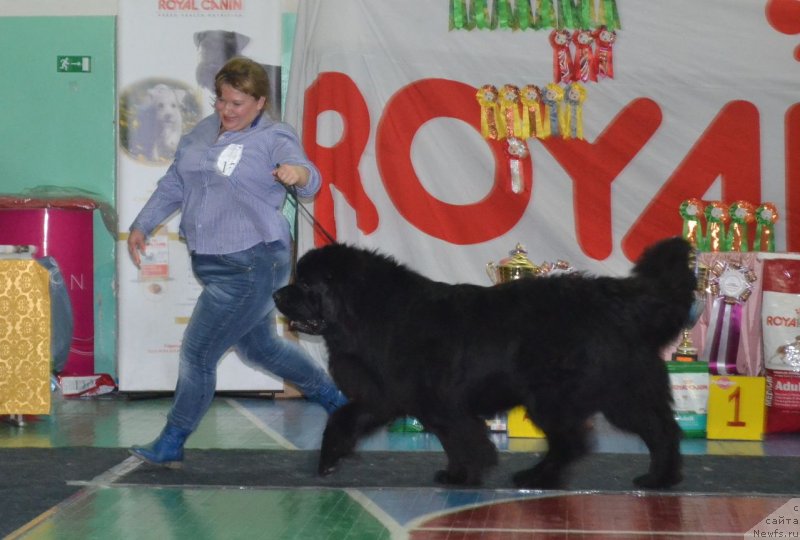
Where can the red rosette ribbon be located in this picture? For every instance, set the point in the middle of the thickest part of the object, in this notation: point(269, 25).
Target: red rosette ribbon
point(583, 64)
point(508, 99)
point(604, 52)
point(562, 59)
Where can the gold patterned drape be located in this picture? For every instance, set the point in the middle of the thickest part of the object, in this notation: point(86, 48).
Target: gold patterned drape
point(24, 337)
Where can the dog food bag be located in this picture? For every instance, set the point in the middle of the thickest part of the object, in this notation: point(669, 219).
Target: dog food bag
point(86, 386)
point(689, 382)
point(780, 330)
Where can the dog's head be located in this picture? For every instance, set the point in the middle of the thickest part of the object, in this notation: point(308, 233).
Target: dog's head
point(166, 104)
point(302, 304)
point(214, 48)
point(307, 302)
point(327, 287)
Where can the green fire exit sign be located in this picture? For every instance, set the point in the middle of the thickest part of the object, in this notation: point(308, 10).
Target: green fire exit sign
point(73, 64)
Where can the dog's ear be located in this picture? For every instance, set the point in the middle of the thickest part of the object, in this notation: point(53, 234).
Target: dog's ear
point(150, 94)
point(241, 41)
point(181, 95)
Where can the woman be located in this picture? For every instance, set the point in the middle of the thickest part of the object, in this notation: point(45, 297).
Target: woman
point(229, 181)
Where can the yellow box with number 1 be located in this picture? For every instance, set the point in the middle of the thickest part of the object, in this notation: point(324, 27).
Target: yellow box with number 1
point(736, 407)
point(519, 425)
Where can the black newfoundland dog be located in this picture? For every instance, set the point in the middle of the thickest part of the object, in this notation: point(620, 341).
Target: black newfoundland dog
point(564, 346)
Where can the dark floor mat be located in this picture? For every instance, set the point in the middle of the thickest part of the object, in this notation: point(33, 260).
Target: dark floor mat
point(597, 472)
point(33, 480)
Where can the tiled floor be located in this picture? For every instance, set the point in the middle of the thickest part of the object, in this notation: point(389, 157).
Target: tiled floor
point(104, 509)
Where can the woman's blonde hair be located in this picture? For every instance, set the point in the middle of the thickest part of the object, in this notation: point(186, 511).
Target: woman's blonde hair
point(244, 75)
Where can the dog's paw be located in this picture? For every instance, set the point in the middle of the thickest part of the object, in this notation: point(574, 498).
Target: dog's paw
point(327, 464)
point(456, 479)
point(326, 470)
point(650, 481)
point(446, 477)
point(536, 479)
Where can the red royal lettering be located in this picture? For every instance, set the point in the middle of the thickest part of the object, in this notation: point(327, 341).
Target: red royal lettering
point(404, 114)
point(593, 167)
point(339, 163)
point(716, 154)
point(792, 158)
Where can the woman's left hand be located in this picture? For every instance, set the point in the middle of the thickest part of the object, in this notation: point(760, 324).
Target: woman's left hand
point(291, 175)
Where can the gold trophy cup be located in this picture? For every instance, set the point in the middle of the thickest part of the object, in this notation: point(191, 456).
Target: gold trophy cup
point(686, 351)
point(515, 266)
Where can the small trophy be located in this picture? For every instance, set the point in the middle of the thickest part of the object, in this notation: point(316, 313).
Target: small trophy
point(686, 351)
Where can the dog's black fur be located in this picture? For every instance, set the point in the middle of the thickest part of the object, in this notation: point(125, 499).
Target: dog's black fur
point(565, 347)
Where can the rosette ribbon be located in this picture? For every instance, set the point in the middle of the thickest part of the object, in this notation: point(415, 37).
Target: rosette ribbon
point(691, 210)
point(731, 285)
point(508, 98)
point(525, 17)
point(503, 15)
point(583, 64)
point(585, 14)
point(531, 98)
point(716, 219)
point(566, 14)
point(516, 151)
point(479, 14)
point(742, 214)
point(766, 216)
point(459, 17)
point(554, 118)
point(490, 112)
point(574, 98)
point(604, 52)
point(546, 13)
point(562, 59)
point(609, 14)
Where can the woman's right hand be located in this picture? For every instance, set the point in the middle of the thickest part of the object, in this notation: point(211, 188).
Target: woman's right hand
point(136, 246)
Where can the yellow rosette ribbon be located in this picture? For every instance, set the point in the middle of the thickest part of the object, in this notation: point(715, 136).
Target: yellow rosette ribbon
point(716, 219)
point(766, 216)
point(531, 98)
point(574, 98)
point(691, 212)
point(490, 112)
point(742, 214)
point(508, 98)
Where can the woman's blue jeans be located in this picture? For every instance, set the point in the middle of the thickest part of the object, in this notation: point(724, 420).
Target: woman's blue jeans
point(236, 309)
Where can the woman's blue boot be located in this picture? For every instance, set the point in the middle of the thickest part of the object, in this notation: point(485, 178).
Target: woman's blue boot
point(330, 397)
point(166, 450)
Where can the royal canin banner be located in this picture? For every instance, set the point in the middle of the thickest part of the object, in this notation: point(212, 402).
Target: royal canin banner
point(169, 53)
point(692, 100)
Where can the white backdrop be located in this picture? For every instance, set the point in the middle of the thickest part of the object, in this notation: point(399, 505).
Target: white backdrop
point(703, 104)
point(174, 44)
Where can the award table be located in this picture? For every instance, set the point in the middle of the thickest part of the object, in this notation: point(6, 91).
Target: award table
point(25, 329)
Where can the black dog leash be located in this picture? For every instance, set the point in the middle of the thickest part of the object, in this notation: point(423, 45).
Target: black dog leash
point(298, 206)
point(292, 190)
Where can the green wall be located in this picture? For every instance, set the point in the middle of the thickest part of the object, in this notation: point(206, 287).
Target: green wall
point(58, 131)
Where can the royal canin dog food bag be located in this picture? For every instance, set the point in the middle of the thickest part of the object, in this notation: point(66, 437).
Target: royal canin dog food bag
point(780, 325)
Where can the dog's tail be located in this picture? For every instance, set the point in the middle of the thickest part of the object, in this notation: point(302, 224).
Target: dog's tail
point(667, 270)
